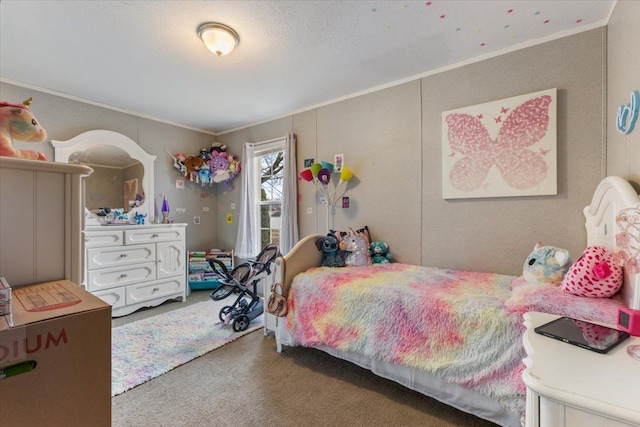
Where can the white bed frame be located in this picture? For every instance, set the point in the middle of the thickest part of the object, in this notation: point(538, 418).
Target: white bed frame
point(612, 195)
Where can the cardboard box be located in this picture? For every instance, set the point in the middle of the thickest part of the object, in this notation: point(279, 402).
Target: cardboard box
point(56, 359)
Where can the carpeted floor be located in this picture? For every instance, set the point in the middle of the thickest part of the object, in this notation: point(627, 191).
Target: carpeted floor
point(248, 383)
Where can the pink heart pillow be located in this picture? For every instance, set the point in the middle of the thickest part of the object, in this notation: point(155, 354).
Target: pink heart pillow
point(596, 274)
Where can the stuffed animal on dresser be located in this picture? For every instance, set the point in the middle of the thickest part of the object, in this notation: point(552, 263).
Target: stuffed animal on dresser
point(17, 122)
point(329, 247)
point(379, 253)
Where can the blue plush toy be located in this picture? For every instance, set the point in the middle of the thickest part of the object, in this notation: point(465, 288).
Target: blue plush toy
point(546, 264)
point(139, 217)
point(379, 252)
point(329, 247)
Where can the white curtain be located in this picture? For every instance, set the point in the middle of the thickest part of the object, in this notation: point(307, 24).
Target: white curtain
point(289, 227)
point(248, 241)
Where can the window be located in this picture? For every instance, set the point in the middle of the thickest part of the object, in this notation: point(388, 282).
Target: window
point(271, 179)
point(268, 199)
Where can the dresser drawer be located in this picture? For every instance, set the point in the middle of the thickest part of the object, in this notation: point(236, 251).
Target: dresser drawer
point(96, 239)
point(158, 289)
point(106, 278)
point(152, 235)
point(113, 297)
point(120, 255)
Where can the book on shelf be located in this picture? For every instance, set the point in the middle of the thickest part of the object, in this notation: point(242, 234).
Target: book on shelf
point(199, 266)
point(200, 269)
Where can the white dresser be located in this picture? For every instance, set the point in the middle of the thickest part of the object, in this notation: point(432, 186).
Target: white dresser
point(135, 266)
point(568, 386)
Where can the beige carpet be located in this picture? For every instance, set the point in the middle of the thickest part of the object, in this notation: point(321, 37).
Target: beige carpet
point(247, 383)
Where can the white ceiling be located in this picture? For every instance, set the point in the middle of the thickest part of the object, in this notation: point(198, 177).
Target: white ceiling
point(145, 57)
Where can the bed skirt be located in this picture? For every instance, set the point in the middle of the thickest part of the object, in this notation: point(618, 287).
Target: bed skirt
point(429, 385)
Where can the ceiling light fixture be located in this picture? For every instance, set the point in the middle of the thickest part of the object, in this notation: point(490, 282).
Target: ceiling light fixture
point(219, 38)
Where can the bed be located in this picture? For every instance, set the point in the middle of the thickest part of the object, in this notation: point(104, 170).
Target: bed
point(455, 336)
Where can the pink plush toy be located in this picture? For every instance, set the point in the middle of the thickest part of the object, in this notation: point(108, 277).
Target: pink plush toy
point(17, 122)
point(596, 274)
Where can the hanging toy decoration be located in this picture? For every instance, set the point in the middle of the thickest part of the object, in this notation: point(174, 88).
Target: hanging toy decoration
point(209, 166)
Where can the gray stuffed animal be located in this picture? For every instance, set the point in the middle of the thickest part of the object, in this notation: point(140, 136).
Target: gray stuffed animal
point(329, 247)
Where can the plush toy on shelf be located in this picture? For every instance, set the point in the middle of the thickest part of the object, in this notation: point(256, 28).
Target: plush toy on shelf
point(210, 166)
point(193, 165)
point(17, 122)
point(223, 165)
point(379, 252)
point(217, 147)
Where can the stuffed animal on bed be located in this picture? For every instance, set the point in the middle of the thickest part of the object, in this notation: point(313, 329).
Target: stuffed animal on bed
point(379, 252)
point(596, 274)
point(546, 264)
point(329, 247)
point(342, 239)
point(357, 244)
point(17, 122)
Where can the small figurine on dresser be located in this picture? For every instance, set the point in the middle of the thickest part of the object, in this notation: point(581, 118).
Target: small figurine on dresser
point(139, 218)
point(17, 122)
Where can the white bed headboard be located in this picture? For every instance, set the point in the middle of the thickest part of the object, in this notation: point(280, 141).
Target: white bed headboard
point(611, 196)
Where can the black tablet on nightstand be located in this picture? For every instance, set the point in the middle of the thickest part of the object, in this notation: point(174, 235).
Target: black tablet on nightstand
point(583, 334)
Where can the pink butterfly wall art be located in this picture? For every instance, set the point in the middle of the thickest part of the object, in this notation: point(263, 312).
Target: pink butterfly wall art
point(503, 148)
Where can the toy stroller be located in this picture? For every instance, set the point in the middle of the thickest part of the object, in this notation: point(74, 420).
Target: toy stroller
point(248, 305)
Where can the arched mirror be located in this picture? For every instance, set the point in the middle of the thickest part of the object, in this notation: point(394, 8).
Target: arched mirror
point(122, 177)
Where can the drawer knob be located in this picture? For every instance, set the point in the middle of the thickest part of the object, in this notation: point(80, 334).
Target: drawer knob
point(156, 289)
point(153, 236)
point(123, 276)
point(123, 255)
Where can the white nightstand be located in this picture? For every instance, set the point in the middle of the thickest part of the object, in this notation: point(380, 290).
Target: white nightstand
point(568, 386)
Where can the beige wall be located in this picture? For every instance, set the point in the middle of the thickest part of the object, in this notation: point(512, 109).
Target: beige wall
point(65, 118)
point(623, 77)
point(497, 234)
point(391, 139)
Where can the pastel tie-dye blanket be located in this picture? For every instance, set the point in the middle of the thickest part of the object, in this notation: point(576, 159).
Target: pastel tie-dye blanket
point(465, 327)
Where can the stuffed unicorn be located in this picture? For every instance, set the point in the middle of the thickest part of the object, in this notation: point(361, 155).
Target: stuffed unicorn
point(357, 245)
point(17, 122)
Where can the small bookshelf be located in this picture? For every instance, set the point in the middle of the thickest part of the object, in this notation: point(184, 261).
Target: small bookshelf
point(201, 275)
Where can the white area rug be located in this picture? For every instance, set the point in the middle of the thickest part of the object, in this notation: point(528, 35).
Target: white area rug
point(147, 348)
